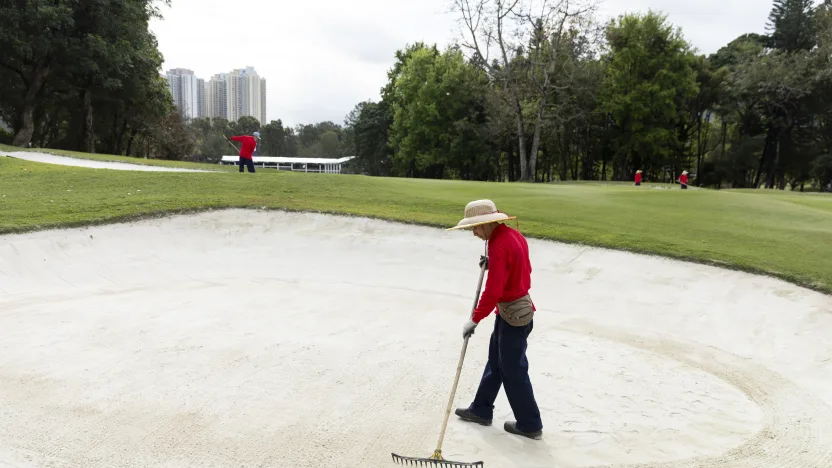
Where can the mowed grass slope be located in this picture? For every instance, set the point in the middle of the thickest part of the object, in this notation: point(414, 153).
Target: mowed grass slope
point(122, 159)
point(785, 234)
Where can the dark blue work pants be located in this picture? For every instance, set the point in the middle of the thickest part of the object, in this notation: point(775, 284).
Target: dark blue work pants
point(244, 162)
point(507, 366)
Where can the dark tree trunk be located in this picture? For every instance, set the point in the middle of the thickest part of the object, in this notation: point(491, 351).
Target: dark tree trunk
point(538, 126)
point(772, 172)
point(521, 137)
point(88, 131)
point(26, 118)
point(114, 133)
point(47, 130)
point(604, 167)
point(698, 149)
point(120, 137)
point(577, 161)
point(564, 169)
point(130, 140)
point(766, 149)
point(588, 165)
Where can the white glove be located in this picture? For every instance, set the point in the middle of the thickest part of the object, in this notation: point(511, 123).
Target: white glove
point(468, 328)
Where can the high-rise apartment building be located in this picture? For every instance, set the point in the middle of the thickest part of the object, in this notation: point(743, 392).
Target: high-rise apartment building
point(262, 101)
point(200, 93)
point(188, 92)
point(242, 92)
point(234, 89)
point(216, 96)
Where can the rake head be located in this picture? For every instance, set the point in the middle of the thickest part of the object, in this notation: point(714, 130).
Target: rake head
point(434, 461)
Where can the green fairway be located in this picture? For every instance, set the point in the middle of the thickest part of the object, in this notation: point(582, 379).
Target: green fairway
point(785, 234)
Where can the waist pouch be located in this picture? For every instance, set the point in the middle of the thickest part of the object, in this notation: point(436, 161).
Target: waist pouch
point(517, 313)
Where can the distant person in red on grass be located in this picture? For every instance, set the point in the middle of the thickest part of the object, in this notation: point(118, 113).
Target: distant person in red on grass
point(638, 177)
point(683, 180)
point(249, 143)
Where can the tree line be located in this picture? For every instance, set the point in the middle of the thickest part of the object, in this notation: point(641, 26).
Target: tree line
point(531, 91)
point(549, 94)
point(319, 140)
point(84, 75)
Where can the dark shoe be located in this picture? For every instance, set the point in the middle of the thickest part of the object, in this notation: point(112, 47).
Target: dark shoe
point(466, 415)
point(511, 426)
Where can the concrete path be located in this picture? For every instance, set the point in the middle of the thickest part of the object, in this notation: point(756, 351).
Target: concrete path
point(252, 338)
point(78, 162)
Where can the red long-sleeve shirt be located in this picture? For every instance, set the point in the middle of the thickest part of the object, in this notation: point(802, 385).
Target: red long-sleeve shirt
point(509, 271)
point(247, 148)
point(638, 178)
point(683, 179)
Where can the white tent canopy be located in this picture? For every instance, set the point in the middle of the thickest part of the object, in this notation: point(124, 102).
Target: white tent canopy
point(325, 165)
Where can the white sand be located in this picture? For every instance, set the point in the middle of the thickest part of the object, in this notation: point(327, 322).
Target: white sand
point(78, 162)
point(248, 338)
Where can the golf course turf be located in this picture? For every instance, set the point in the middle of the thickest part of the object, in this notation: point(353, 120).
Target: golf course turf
point(122, 159)
point(784, 234)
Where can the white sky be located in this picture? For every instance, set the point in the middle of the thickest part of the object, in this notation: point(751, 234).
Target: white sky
point(322, 57)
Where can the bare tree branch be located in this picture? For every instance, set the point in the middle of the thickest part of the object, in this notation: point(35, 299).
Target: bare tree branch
point(17, 70)
point(537, 43)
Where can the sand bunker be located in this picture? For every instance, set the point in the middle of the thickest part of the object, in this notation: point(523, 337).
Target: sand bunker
point(78, 162)
point(252, 338)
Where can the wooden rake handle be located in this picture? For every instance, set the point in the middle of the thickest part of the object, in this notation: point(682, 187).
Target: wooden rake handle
point(461, 358)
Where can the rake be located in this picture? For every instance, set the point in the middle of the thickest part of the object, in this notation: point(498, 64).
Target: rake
point(232, 144)
point(436, 460)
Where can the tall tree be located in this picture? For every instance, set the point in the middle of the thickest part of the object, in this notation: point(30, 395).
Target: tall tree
point(711, 83)
point(245, 125)
point(34, 35)
point(528, 40)
point(319, 140)
point(438, 112)
point(61, 60)
point(273, 141)
point(650, 81)
point(368, 124)
point(791, 24)
point(108, 43)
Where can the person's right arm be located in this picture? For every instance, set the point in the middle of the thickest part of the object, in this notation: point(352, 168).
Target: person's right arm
point(494, 285)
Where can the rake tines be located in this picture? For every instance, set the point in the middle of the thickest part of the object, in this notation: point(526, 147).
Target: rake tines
point(436, 461)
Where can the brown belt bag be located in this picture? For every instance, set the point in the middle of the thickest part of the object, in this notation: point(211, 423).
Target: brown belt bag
point(517, 313)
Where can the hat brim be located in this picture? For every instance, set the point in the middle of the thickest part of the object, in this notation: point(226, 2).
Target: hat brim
point(480, 220)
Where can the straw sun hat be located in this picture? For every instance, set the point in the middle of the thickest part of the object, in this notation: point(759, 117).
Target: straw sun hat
point(481, 212)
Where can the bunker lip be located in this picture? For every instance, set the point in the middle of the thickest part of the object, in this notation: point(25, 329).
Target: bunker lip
point(229, 337)
point(47, 158)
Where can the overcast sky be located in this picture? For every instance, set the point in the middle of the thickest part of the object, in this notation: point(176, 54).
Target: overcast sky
point(322, 57)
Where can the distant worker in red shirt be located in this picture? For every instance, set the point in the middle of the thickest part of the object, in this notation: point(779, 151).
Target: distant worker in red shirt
point(683, 180)
point(249, 143)
point(506, 289)
point(638, 177)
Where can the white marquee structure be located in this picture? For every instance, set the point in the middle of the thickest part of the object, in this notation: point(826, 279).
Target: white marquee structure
point(323, 165)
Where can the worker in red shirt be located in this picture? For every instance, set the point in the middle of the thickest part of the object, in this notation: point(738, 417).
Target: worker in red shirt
point(683, 180)
point(638, 177)
point(249, 143)
point(507, 290)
